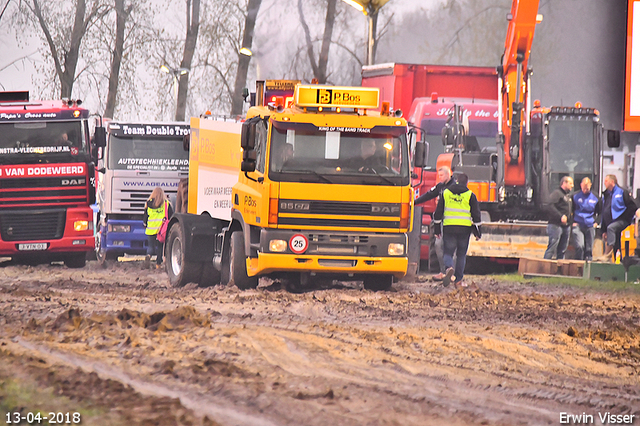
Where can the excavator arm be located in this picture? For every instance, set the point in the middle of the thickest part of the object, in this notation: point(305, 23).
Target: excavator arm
point(514, 97)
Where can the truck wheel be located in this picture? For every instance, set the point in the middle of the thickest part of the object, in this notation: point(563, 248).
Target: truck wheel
point(238, 265)
point(210, 276)
point(180, 270)
point(76, 260)
point(102, 255)
point(378, 282)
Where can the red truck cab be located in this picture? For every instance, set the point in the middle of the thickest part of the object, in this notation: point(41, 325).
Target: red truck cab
point(427, 94)
point(46, 180)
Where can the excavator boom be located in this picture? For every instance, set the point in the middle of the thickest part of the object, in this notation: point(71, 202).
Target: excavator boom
point(515, 102)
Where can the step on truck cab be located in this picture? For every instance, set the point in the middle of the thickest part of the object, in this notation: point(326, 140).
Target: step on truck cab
point(46, 180)
point(317, 187)
point(137, 158)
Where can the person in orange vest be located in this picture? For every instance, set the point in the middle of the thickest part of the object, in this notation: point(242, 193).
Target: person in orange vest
point(154, 214)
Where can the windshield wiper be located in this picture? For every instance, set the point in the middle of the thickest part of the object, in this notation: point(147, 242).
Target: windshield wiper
point(389, 181)
point(309, 172)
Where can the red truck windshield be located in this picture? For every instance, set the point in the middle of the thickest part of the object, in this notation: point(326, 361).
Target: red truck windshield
point(42, 138)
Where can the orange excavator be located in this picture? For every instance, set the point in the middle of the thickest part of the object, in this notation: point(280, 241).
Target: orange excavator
point(536, 147)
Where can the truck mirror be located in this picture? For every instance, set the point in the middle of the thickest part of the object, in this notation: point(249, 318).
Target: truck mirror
point(248, 161)
point(613, 138)
point(186, 142)
point(100, 137)
point(248, 136)
point(248, 166)
point(447, 135)
point(421, 154)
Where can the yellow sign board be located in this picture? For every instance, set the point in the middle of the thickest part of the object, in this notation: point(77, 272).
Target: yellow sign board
point(334, 97)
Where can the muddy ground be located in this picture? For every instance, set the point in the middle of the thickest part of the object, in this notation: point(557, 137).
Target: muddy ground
point(121, 347)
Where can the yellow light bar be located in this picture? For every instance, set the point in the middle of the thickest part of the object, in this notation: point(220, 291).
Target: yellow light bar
point(337, 97)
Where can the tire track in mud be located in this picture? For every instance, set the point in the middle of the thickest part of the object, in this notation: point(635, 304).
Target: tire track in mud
point(352, 357)
point(200, 404)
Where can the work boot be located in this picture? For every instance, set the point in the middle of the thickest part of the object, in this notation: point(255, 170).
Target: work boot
point(448, 276)
point(460, 285)
point(438, 277)
point(146, 263)
point(607, 257)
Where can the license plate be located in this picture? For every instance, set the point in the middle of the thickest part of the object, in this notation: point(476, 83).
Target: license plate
point(32, 246)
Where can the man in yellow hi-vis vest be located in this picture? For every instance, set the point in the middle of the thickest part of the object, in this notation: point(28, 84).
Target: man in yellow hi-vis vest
point(457, 215)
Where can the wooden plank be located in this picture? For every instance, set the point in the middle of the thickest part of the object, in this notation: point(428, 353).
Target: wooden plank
point(531, 275)
point(562, 267)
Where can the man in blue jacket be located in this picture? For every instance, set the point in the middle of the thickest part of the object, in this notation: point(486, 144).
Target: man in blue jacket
point(618, 209)
point(585, 209)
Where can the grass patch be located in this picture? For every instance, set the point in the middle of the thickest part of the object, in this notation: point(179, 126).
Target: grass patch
point(27, 397)
point(611, 286)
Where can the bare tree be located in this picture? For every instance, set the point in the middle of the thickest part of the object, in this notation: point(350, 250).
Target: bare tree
point(320, 67)
point(122, 14)
point(243, 61)
point(65, 57)
point(193, 25)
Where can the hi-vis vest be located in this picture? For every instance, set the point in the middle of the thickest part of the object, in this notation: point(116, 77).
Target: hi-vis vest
point(457, 209)
point(154, 221)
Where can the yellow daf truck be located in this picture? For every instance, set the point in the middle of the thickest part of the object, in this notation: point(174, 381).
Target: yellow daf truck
point(316, 185)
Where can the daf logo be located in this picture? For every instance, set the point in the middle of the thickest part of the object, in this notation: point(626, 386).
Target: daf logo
point(385, 209)
point(71, 182)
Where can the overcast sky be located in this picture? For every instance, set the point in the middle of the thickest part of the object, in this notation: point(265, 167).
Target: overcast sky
point(20, 54)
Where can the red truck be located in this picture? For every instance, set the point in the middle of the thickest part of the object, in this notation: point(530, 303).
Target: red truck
point(46, 180)
point(429, 95)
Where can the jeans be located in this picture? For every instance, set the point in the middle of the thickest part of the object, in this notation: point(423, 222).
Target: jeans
point(558, 241)
point(455, 244)
point(583, 237)
point(155, 247)
point(614, 230)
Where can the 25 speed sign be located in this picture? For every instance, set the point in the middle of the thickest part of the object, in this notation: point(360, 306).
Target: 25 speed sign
point(298, 243)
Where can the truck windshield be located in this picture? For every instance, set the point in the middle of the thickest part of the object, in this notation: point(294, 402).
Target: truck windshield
point(571, 150)
point(42, 138)
point(375, 156)
point(135, 153)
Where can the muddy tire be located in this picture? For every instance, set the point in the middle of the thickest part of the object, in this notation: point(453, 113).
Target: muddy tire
point(180, 271)
point(378, 282)
point(210, 276)
point(76, 260)
point(238, 265)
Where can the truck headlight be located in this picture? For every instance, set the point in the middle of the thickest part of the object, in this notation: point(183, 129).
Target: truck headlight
point(118, 228)
point(396, 249)
point(424, 229)
point(278, 246)
point(80, 225)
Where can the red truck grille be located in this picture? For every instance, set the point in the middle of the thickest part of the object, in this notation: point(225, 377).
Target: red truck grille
point(50, 191)
point(31, 225)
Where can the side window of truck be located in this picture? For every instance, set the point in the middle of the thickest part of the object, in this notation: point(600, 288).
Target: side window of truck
point(260, 146)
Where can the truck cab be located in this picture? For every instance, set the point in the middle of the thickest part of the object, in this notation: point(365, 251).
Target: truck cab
point(317, 189)
point(137, 158)
point(46, 184)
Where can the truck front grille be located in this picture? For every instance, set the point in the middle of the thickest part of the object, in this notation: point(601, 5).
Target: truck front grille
point(58, 191)
point(338, 223)
point(31, 225)
point(367, 215)
point(133, 200)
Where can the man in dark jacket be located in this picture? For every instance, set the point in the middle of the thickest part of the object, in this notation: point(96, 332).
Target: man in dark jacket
point(618, 209)
point(585, 208)
point(559, 227)
point(458, 211)
point(445, 180)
